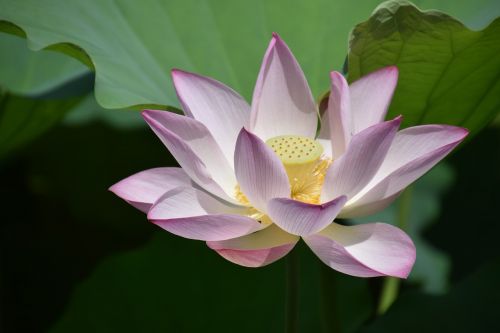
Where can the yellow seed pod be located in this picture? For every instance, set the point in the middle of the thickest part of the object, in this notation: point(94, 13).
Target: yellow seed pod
point(295, 150)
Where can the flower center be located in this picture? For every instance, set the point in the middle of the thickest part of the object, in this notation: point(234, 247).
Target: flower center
point(304, 165)
point(294, 150)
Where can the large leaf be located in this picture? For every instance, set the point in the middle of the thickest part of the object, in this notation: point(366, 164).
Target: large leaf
point(448, 73)
point(25, 72)
point(133, 44)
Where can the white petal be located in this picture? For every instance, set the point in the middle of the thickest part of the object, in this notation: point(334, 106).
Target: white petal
point(259, 171)
point(367, 250)
point(302, 219)
point(415, 151)
point(142, 189)
point(195, 149)
point(282, 101)
point(371, 96)
point(223, 111)
point(356, 167)
point(194, 214)
point(258, 249)
point(339, 114)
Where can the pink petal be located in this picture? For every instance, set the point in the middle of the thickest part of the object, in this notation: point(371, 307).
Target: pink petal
point(259, 171)
point(371, 96)
point(339, 114)
point(356, 167)
point(364, 209)
point(415, 151)
point(367, 250)
point(258, 249)
point(302, 219)
point(282, 101)
point(192, 145)
point(142, 189)
point(223, 111)
point(194, 214)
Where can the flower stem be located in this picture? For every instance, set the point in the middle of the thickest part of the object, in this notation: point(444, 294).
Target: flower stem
point(292, 293)
point(389, 294)
point(390, 288)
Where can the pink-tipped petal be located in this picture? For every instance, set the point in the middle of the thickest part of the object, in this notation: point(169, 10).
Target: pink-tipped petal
point(223, 111)
point(339, 114)
point(192, 145)
point(415, 151)
point(356, 167)
point(302, 219)
point(367, 250)
point(371, 96)
point(259, 171)
point(194, 214)
point(142, 189)
point(282, 102)
point(258, 249)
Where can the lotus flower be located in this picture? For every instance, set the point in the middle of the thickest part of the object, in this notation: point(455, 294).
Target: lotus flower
point(255, 179)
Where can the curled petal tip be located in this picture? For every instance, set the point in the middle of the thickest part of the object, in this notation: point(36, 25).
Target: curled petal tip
point(245, 134)
point(335, 74)
point(398, 119)
point(147, 113)
point(175, 72)
point(465, 131)
point(392, 68)
point(112, 188)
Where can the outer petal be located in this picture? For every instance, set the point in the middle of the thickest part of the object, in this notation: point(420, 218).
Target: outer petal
point(301, 218)
point(282, 101)
point(142, 189)
point(192, 145)
point(353, 170)
point(258, 249)
point(364, 209)
point(259, 171)
point(194, 214)
point(367, 250)
point(339, 114)
point(223, 111)
point(371, 96)
point(415, 151)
